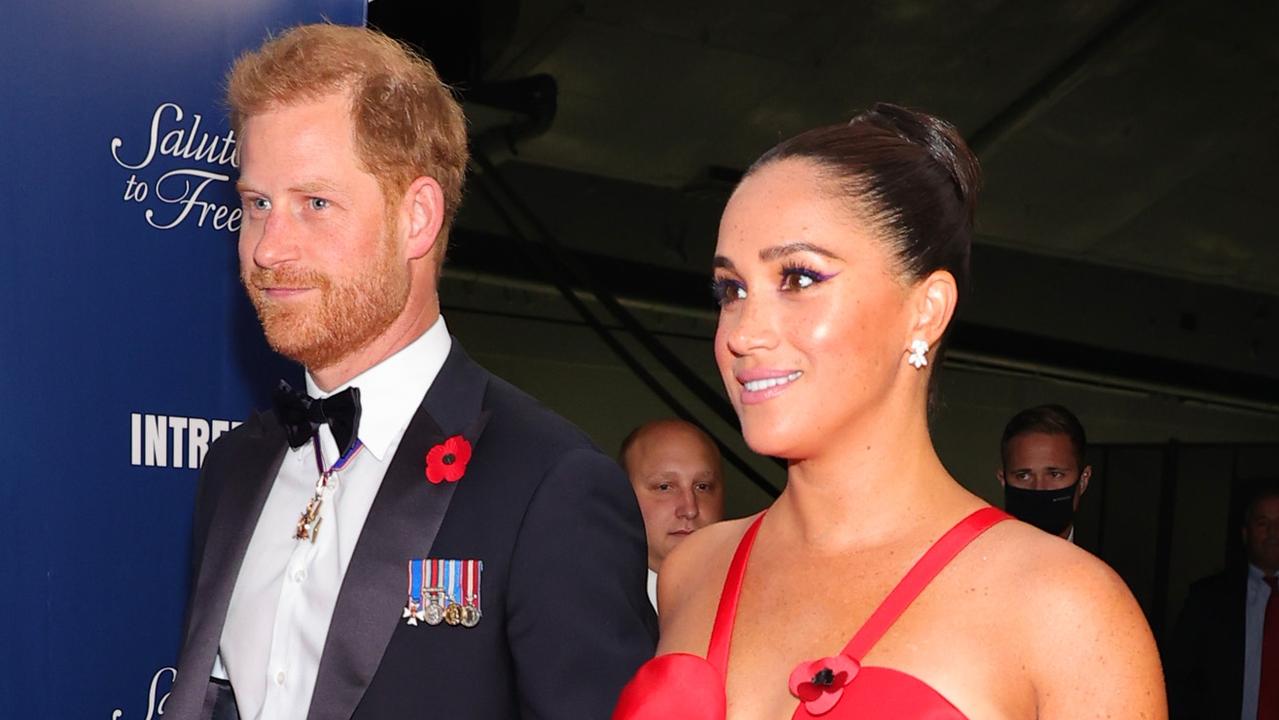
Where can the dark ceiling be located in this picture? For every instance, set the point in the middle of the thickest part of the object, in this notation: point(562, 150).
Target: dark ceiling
point(1124, 233)
point(1139, 135)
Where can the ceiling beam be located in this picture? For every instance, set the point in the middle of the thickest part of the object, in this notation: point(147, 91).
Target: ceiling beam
point(1059, 81)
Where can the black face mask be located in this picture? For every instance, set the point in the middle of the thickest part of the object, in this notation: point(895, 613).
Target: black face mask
point(1049, 510)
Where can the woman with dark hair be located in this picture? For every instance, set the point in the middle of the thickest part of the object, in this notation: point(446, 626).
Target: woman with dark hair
point(842, 257)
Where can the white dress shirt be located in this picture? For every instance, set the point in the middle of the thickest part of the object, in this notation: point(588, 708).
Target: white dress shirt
point(283, 600)
point(652, 588)
point(1254, 620)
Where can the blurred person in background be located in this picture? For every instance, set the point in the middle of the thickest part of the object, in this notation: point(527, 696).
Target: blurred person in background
point(1043, 471)
point(678, 477)
point(1223, 659)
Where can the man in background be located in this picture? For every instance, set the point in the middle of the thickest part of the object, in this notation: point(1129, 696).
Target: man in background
point(678, 477)
point(1223, 660)
point(1042, 468)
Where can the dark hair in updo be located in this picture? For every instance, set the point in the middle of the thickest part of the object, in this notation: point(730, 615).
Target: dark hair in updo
point(907, 172)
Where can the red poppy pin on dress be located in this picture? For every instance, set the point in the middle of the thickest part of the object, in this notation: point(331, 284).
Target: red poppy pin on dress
point(820, 683)
point(447, 461)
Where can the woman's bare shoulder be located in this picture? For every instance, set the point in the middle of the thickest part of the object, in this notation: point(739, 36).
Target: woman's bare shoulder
point(710, 547)
point(1053, 569)
point(690, 580)
point(1081, 634)
point(1042, 575)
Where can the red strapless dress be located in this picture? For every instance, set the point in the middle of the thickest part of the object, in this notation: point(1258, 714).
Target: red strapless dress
point(683, 686)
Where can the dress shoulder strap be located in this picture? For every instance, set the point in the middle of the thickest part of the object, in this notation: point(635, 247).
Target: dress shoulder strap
point(923, 572)
point(722, 631)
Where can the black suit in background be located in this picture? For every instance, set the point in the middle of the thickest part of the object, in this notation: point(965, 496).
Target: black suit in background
point(1204, 667)
point(566, 619)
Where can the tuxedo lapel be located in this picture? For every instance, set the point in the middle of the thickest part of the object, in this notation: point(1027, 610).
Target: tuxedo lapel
point(246, 485)
point(401, 525)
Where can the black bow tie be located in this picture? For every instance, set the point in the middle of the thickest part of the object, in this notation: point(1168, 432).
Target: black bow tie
point(302, 415)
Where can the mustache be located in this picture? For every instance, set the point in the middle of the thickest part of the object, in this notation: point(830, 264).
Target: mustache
point(259, 278)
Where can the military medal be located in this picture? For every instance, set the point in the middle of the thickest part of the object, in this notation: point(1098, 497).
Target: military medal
point(435, 609)
point(453, 614)
point(434, 594)
point(470, 616)
point(453, 588)
point(471, 592)
point(309, 523)
point(308, 527)
point(413, 612)
point(444, 591)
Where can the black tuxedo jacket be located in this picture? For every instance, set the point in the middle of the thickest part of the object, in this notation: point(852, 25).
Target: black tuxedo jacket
point(1204, 666)
point(565, 616)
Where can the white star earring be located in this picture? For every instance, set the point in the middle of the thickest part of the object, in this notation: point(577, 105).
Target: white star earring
point(918, 353)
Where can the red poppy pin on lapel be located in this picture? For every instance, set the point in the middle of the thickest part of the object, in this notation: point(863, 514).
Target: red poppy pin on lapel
point(447, 461)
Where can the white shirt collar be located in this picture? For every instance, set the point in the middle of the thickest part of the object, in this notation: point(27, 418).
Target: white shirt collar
point(1256, 574)
point(392, 390)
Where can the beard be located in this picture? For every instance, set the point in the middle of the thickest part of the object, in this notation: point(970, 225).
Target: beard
point(351, 311)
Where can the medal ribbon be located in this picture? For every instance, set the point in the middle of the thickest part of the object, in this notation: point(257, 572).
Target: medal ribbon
point(308, 526)
point(435, 574)
point(454, 581)
point(341, 462)
point(471, 582)
point(415, 582)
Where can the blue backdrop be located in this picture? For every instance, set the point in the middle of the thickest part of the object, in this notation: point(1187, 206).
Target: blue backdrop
point(127, 345)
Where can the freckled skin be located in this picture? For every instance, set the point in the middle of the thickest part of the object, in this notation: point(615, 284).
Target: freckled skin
point(845, 334)
point(1020, 626)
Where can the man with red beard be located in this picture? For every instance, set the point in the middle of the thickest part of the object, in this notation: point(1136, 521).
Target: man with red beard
point(412, 536)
